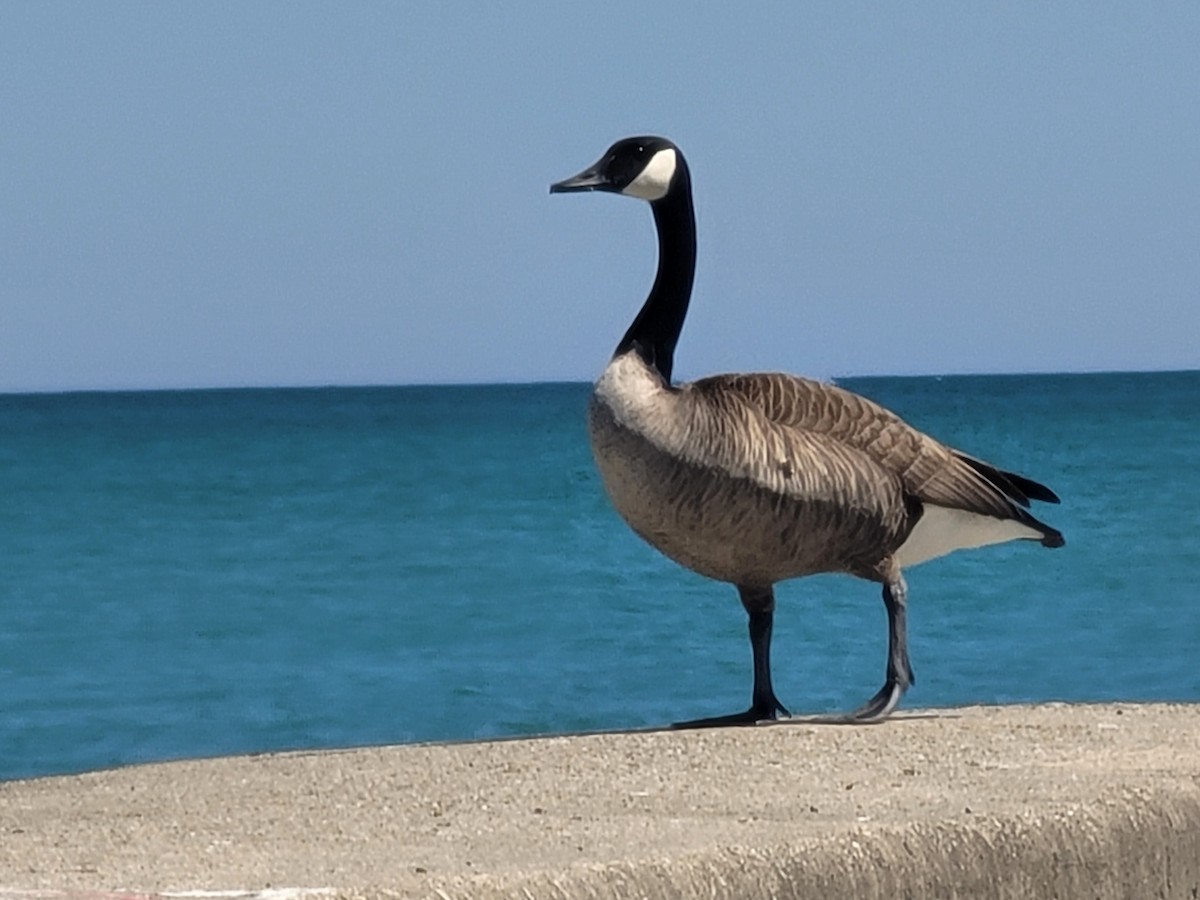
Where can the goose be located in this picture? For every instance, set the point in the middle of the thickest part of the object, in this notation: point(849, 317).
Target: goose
point(753, 479)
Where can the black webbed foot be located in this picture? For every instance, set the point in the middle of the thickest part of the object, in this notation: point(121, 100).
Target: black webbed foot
point(765, 711)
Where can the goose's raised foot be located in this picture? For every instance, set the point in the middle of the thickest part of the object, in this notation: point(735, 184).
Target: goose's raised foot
point(880, 706)
point(899, 671)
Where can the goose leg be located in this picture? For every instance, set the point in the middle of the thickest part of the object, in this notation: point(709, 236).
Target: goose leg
point(760, 606)
point(899, 672)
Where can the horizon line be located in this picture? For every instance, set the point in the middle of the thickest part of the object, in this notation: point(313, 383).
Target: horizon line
point(333, 386)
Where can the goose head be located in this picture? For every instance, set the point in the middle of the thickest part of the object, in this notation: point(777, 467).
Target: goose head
point(648, 168)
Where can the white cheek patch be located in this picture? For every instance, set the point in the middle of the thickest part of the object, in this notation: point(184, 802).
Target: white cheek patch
point(655, 180)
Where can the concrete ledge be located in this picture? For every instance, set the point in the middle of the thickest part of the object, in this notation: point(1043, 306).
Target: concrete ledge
point(1137, 847)
point(1047, 801)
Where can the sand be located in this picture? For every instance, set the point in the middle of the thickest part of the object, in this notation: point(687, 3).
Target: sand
point(1025, 801)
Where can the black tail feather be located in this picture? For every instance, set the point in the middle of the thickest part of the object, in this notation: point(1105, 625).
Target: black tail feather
point(1016, 487)
point(1033, 489)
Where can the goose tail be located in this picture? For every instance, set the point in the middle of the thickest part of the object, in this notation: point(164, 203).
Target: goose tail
point(1017, 488)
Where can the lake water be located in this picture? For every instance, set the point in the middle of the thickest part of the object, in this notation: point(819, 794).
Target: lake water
point(201, 573)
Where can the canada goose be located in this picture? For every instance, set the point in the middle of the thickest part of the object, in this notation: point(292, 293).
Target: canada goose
point(755, 478)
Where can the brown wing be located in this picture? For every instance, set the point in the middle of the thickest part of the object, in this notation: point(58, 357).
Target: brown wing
point(928, 469)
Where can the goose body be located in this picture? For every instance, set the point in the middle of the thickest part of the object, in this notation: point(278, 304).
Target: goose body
point(752, 479)
point(707, 478)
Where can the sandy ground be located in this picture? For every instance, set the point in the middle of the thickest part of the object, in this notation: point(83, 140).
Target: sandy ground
point(1008, 801)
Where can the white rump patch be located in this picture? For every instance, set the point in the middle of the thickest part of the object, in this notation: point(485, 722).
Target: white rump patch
point(942, 530)
point(655, 180)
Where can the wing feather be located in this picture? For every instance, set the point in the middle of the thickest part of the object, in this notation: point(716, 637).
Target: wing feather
point(927, 469)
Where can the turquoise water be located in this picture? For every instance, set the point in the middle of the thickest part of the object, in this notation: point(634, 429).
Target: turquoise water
point(210, 572)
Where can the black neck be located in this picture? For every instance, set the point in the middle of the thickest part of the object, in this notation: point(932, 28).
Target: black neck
point(655, 331)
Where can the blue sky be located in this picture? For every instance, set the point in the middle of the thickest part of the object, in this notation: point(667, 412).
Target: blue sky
point(220, 194)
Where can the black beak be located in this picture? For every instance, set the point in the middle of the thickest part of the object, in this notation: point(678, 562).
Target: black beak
point(590, 179)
